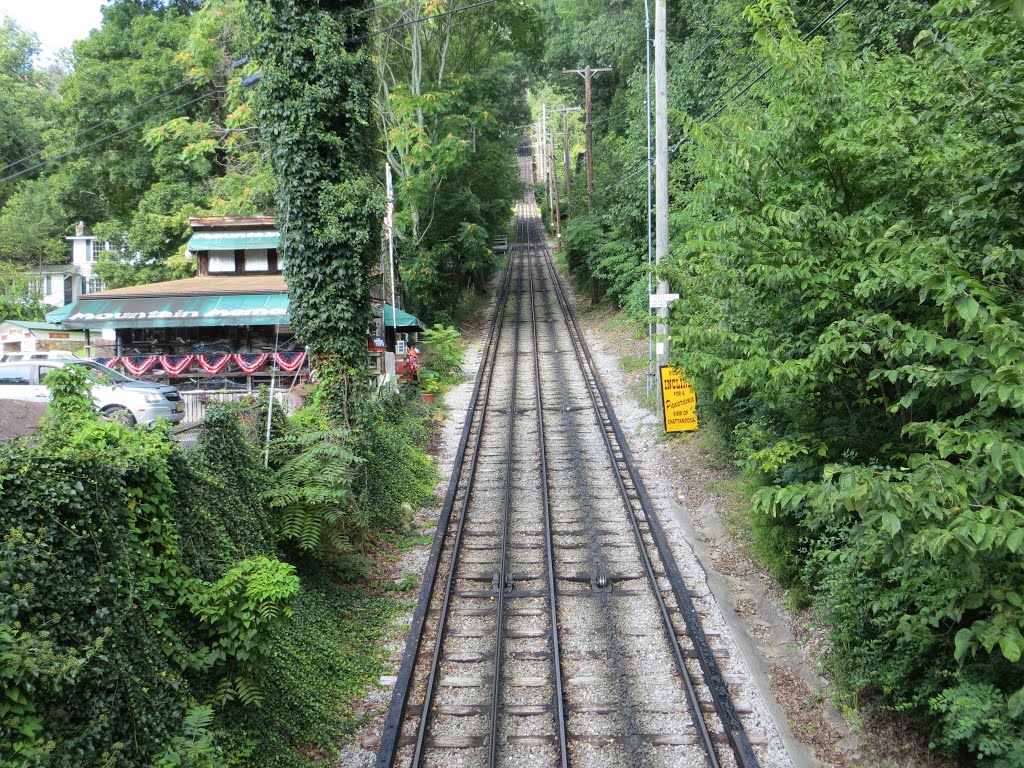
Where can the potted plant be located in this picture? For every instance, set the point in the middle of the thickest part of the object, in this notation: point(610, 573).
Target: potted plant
point(430, 385)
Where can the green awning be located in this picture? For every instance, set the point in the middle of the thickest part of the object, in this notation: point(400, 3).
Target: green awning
point(58, 315)
point(178, 311)
point(233, 241)
point(405, 321)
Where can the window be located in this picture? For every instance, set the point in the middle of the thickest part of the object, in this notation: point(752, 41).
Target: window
point(45, 369)
point(16, 374)
point(47, 285)
point(95, 284)
point(256, 261)
point(222, 261)
point(84, 286)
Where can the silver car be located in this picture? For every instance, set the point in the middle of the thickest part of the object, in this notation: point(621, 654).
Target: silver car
point(117, 397)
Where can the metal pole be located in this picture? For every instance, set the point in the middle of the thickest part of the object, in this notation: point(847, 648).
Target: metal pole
point(556, 192)
point(661, 171)
point(650, 205)
point(389, 221)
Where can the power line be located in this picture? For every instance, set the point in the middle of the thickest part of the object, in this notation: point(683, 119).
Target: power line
point(362, 38)
point(764, 73)
point(101, 139)
point(43, 48)
point(736, 83)
point(125, 113)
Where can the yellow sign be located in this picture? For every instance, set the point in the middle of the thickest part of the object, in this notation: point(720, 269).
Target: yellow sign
point(678, 401)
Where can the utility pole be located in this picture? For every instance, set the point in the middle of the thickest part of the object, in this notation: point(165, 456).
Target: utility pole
point(556, 192)
point(565, 150)
point(544, 143)
point(661, 173)
point(587, 73)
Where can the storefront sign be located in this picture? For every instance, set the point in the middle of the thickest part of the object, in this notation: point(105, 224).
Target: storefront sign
point(376, 343)
point(678, 401)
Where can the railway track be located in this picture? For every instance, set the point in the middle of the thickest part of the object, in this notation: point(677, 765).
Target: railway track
point(553, 627)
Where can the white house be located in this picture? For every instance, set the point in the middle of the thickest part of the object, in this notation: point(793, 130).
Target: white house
point(30, 337)
point(62, 284)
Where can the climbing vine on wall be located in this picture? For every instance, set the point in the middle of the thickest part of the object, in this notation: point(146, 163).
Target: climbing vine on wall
point(315, 112)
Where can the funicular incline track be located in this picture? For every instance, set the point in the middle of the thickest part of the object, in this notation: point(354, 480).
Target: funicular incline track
point(553, 627)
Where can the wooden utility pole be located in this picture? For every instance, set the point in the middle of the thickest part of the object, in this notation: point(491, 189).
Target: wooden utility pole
point(556, 192)
point(661, 172)
point(565, 151)
point(587, 73)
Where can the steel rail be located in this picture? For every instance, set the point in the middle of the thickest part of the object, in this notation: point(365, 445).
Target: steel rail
point(421, 731)
point(556, 654)
point(503, 580)
point(399, 698)
point(692, 702)
point(736, 734)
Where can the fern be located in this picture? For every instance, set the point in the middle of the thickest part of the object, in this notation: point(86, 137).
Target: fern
point(311, 492)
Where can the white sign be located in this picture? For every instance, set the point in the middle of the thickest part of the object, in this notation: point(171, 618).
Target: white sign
point(662, 300)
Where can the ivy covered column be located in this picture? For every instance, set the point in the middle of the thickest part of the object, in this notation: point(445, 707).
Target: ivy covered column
point(315, 112)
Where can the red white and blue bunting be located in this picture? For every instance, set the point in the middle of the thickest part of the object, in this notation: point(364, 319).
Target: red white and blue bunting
point(250, 363)
point(213, 364)
point(137, 365)
point(290, 362)
point(175, 365)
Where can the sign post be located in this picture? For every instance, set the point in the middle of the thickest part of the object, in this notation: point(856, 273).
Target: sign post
point(679, 401)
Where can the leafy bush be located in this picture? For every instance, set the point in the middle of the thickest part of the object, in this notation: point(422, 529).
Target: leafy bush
point(443, 359)
point(311, 495)
point(396, 471)
point(851, 273)
point(108, 631)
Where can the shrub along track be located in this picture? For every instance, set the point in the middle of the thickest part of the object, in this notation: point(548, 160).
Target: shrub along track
point(554, 627)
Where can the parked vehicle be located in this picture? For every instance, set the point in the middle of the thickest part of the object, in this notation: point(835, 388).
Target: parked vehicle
point(117, 397)
point(51, 355)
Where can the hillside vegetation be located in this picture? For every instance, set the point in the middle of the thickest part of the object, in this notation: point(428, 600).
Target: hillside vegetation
point(847, 239)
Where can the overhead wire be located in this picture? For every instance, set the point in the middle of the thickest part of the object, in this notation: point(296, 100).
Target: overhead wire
point(124, 113)
point(109, 136)
point(367, 36)
point(192, 81)
point(704, 120)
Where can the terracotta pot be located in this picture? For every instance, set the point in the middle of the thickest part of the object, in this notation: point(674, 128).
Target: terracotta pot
point(427, 397)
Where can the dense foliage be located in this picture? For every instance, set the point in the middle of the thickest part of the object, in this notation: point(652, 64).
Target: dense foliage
point(847, 239)
point(315, 113)
point(141, 125)
point(451, 104)
point(148, 616)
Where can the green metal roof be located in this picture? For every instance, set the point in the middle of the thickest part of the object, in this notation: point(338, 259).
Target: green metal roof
point(32, 325)
point(404, 319)
point(179, 311)
point(234, 241)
